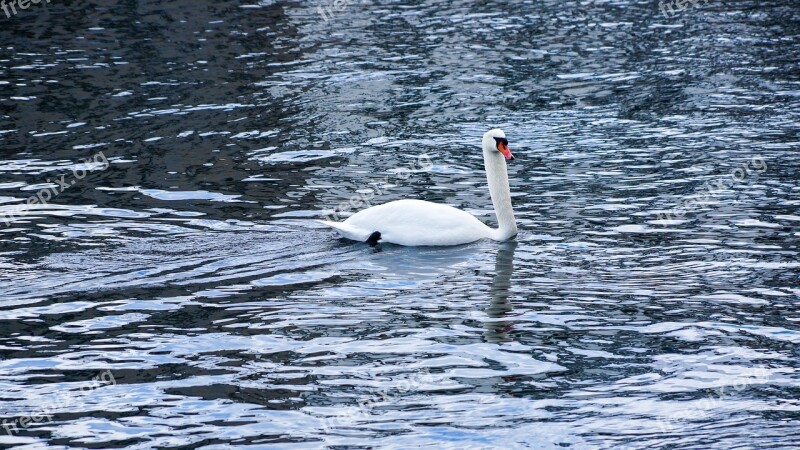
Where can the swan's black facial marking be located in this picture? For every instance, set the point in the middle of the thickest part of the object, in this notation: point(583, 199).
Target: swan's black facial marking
point(499, 141)
point(374, 238)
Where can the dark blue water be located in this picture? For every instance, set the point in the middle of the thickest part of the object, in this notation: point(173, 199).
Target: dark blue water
point(163, 283)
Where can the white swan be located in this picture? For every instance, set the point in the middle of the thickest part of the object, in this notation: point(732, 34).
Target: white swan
point(417, 222)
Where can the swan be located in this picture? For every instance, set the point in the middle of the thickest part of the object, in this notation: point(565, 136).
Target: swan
point(420, 223)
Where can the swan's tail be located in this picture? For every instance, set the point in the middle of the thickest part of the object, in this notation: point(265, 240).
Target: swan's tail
point(348, 231)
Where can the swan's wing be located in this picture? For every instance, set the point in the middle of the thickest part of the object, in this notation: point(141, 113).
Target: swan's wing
point(348, 231)
point(417, 222)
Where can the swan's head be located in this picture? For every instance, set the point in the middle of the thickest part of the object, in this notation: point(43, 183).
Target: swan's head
point(495, 141)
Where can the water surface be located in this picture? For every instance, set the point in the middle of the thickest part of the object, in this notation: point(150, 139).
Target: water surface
point(179, 294)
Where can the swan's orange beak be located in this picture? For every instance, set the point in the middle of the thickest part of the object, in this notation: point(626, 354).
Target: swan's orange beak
point(503, 147)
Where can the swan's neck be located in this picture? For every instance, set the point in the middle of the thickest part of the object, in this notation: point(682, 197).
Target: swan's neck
point(497, 176)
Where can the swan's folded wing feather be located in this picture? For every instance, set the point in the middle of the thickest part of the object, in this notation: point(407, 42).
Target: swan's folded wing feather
point(348, 231)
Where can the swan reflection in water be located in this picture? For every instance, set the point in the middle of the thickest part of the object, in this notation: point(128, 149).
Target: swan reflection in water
point(496, 330)
point(412, 267)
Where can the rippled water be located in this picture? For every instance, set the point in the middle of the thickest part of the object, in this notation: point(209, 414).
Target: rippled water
point(172, 290)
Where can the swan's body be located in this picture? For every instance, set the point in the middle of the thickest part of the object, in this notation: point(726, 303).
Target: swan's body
point(414, 222)
point(417, 222)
